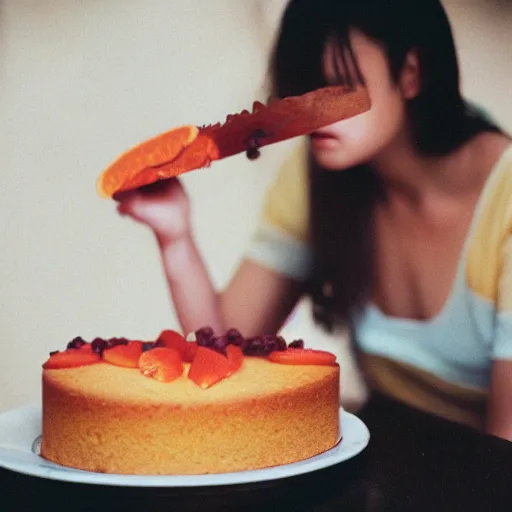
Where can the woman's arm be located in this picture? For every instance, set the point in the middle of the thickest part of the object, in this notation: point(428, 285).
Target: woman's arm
point(256, 301)
point(499, 413)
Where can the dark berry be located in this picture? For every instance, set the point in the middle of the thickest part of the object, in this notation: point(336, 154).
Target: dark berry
point(204, 336)
point(281, 343)
point(98, 345)
point(243, 343)
point(233, 335)
point(112, 342)
point(203, 342)
point(148, 345)
point(158, 343)
point(219, 344)
point(267, 344)
point(76, 342)
point(253, 153)
point(296, 344)
point(53, 352)
point(255, 346)
point(205, 331)
point(235, 338)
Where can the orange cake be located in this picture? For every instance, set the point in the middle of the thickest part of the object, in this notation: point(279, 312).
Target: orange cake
point(214, 405)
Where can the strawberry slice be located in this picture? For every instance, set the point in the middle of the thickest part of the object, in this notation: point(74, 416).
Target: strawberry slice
point(208, 367)
point(173, 339)
point(189, 351)
point(303, 356)
point(71, 358)
point(235, 358)
point(161, 363)
point(124, 355)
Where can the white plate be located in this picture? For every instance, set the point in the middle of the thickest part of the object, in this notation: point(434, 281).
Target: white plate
point(20, 431)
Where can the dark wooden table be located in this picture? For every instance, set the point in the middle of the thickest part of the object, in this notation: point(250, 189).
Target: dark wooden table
point(414, 462)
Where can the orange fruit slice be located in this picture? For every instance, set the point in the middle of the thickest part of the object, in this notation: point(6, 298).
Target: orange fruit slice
point(153, 152)
point(208, 367)
point(235, 358)
point(302, 356)
point(163, 364)
point(126, 356)
point(71, 358)
point(172, 339)
point(200, 153)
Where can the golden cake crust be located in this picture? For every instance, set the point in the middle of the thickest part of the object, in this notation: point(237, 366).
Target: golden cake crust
point(110, 419)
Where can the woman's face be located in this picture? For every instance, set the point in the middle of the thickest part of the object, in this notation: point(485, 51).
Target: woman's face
point(362, 138)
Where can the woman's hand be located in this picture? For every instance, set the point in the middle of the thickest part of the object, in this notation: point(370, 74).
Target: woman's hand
point(163, 206)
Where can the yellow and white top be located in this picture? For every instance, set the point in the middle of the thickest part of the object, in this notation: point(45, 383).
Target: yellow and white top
point(441, 365)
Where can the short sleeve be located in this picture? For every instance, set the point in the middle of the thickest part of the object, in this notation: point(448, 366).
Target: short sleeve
point(280, 241)
point(489, 258)
point(502, 344)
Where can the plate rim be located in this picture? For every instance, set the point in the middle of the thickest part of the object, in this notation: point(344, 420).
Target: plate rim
point(43, 468)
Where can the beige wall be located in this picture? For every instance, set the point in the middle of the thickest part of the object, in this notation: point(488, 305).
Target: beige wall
point(83, 81)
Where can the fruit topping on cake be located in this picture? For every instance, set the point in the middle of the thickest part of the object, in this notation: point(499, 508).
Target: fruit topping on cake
point(303, 356)
point(212, 357)
point(124, 355)
point(161, 363)
point(71, 358)
point(235, 358)
point(209, 367)
point(77, 342)
point(296, 344)
point(254, 346)
point(264, 345)
point(175, 340)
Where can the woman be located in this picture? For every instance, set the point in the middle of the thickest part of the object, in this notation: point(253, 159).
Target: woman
point(395, 222)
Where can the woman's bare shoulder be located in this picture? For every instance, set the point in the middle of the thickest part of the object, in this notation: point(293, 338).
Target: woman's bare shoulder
point(488, 149)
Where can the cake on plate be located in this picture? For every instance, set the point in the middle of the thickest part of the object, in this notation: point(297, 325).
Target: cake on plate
point(213, 404)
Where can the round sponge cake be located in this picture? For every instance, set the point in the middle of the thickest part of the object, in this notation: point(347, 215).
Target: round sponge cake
point(106, 418)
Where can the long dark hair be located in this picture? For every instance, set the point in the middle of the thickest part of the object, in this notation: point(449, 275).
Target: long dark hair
point(342, 203)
